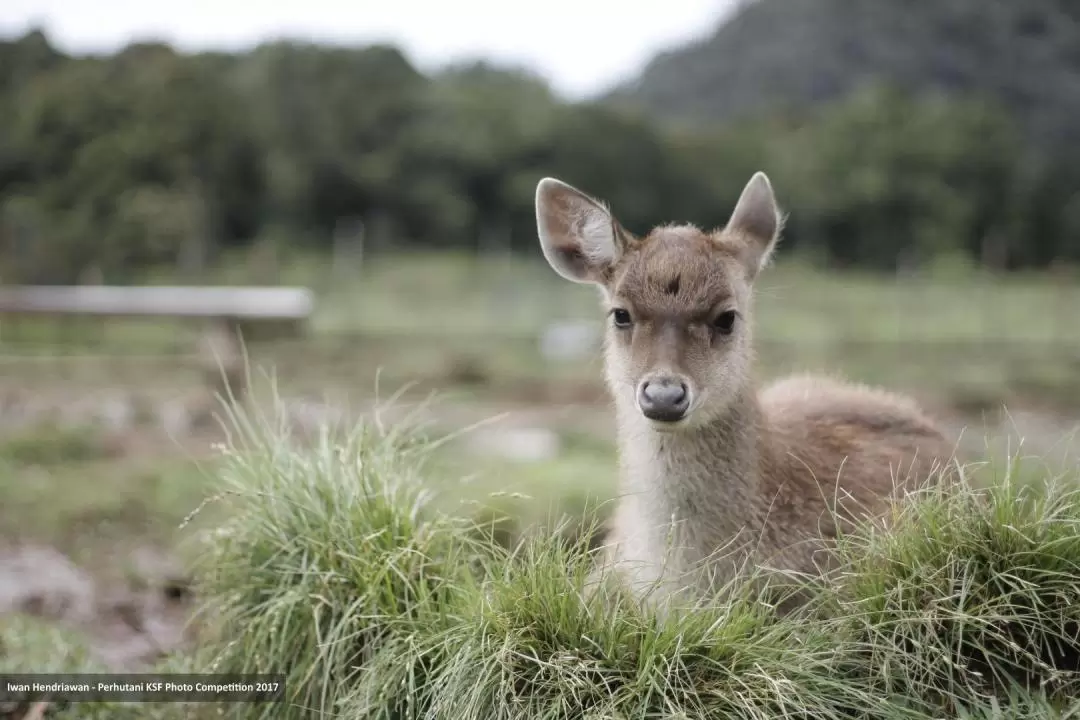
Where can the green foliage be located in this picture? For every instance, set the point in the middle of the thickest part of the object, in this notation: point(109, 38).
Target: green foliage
point(122, 162)
point(881, 176)
point(150, 157)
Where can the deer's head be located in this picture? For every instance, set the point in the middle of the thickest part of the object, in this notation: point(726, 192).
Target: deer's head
point(678, 300)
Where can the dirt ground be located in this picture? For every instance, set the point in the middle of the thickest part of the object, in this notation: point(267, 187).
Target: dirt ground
point(127, 625)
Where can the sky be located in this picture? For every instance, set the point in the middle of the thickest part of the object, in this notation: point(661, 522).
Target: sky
point(582, 47)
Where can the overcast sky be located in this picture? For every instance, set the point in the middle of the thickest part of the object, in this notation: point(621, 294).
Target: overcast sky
point(581, 46)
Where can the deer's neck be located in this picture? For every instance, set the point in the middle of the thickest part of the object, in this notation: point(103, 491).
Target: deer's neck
point(706, 480)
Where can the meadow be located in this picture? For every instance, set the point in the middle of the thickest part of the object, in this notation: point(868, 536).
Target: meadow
point(417, 317)
point(462, 601)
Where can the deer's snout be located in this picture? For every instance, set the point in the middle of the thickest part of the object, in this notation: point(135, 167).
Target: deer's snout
point(665, 398)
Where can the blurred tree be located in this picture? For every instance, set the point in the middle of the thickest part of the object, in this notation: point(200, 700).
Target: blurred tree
point(884, 178)
point(329, 120)
point(477, 127)
point(90, 132)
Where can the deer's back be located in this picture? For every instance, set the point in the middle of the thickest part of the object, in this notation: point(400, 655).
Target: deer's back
point(845, 446)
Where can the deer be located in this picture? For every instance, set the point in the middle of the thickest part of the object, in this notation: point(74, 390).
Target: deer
point(714, 474)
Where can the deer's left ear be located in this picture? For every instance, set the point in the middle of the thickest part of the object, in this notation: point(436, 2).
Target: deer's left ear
point(757, 222)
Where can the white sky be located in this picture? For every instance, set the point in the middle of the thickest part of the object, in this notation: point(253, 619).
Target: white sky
point(581, 46)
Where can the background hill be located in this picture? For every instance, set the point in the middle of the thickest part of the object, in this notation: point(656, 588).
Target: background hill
point(795, 54)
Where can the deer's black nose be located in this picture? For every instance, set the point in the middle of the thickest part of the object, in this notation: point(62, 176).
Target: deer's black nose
point(665, 399)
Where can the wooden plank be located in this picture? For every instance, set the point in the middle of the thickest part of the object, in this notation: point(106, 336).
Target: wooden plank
point(240, 303)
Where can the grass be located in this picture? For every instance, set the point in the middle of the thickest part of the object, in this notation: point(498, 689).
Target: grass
point(338, 565)
point(350, 563)
point(66, 487)
point(30, 645)
point(435, 315)
point(796, 303)
point(508, 500)
point(973, 593)
point(52, 446)
point(432, 293)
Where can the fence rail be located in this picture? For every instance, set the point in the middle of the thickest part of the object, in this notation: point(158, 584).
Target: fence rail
point(240, 303)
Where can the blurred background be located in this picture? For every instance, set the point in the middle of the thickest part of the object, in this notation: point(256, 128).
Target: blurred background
point(385, 159)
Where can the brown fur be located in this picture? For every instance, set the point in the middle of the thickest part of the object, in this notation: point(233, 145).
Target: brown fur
point(745, 476)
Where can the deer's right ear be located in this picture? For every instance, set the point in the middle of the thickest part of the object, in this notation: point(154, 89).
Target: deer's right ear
point(580, 239)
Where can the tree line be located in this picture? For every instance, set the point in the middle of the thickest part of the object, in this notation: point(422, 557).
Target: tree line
point(150, 156)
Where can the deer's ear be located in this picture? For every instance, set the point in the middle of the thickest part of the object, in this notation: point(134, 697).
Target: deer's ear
point(757, 221)
point(580, 238)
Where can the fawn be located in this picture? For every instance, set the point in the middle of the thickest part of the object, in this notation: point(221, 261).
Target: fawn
point(713, 474)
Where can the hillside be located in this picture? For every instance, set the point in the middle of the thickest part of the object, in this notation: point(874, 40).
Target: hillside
point(774, 54)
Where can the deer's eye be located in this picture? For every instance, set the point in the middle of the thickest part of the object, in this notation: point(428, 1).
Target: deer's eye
point(621, 318)
point(724, 322)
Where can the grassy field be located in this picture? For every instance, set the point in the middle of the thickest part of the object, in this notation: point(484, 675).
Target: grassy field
point(75, 490)
point(443, 293)
point(463, 323)
point(468, 329)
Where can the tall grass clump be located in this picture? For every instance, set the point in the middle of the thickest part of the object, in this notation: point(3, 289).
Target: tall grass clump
point(971, 596)
point(329, 553)
point(533, 644)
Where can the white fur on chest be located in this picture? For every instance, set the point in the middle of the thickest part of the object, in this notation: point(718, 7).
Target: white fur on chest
point(681, 503)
